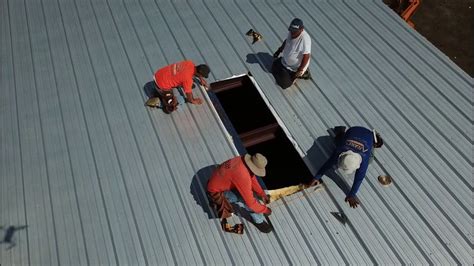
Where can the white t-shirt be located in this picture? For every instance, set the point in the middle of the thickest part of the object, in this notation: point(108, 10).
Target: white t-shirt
point(295, 49)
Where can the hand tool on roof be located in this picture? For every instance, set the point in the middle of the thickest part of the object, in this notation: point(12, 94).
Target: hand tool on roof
point(385, 180)
point(255, 35)
point(340, 216)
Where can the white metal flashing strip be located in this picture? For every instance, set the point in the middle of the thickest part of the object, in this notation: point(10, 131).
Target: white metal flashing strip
point(233, 77)
point(218, 118)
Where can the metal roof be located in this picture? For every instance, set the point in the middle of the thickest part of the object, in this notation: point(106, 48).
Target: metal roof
point(97, 178)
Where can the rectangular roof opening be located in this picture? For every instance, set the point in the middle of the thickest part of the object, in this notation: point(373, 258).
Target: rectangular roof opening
point(252, 123)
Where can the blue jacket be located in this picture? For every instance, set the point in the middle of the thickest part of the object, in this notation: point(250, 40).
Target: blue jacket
point(360, 140)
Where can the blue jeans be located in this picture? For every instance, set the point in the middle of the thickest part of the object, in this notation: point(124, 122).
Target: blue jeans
point(258, 218)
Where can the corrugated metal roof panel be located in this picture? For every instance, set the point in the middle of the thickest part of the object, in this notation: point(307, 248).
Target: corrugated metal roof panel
point(99, 179)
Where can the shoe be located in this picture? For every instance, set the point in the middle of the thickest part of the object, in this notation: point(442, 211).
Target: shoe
point(264, 227)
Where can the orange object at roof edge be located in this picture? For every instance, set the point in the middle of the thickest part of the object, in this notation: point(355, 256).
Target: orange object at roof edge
point(410, 10)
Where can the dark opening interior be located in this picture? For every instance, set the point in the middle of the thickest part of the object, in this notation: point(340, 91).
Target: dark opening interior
point(258, 131)
point(243, 105)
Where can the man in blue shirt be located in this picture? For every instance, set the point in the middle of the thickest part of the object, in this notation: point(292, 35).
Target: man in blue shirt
point(354, 150)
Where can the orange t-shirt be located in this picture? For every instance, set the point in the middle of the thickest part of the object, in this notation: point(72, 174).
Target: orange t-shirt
point(233, 174)
point(175, 75)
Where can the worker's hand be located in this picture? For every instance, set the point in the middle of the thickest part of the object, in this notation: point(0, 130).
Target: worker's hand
point(353, 201)
point(203, 82)
point(299, 73)
point(266, 199)
point(379, 142)
point(276, 54)
point(268, 212)
point(197, 101)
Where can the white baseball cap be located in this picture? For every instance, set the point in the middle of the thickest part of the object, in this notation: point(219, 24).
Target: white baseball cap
point(348, 162)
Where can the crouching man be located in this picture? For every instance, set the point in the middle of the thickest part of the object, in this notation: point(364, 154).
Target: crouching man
point(234, 182)
point(296, 54)
point(179, 74)
point(354, 152)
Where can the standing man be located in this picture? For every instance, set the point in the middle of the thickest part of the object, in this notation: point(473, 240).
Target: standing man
point(179, 74)
point(295, 58)
point(234, 181)
point(354, 152)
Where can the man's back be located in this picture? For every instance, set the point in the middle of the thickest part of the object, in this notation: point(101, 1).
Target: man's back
point(234, 175)
point(229, 174)
point(359, 140)
point(175, 75)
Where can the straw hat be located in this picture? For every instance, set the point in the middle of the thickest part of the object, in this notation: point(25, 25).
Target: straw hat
point(256, 163)
point(349, 161)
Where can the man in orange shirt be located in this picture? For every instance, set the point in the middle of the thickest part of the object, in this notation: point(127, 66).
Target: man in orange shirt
point(239, 175)
point(180, 74)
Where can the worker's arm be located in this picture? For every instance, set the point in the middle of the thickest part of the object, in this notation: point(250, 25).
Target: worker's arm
point(359, 177)
point(257, 188)
point(279, 50)
point(188, 89)
point(245, 190)
point(304, 63)
point(328, 164)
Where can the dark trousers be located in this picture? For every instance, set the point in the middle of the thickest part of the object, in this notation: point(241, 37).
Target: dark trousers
point(283, 77)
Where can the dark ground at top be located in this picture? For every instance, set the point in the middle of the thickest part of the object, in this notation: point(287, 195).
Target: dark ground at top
point(449, 25)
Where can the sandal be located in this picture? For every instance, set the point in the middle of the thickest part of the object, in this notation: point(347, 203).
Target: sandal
point(236, 229)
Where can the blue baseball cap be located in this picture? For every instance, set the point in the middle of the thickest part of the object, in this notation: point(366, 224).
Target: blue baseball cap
point(296, 25)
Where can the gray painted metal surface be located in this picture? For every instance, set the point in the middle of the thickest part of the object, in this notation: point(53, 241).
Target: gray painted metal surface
point(99, 179)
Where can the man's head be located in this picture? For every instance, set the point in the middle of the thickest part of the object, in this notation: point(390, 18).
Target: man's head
point(203, 71)
point(348, 162)
point(256, 163)
point(296, 27)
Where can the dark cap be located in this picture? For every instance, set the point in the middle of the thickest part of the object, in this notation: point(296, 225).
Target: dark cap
point(203, 70)
point(296, 25)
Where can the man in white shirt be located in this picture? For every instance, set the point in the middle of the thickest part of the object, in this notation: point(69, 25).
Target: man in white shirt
point(296, 53)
